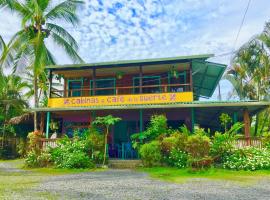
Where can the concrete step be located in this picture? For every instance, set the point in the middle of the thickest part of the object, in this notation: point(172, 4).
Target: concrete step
point(124, 164)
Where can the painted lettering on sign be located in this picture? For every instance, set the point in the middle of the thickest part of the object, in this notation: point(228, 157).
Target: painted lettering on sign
point(158, 98)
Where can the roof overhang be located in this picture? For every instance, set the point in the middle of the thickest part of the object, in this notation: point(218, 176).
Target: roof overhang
point(206, 112)
point(128, 63)
point(252, 105)
point(206, 76)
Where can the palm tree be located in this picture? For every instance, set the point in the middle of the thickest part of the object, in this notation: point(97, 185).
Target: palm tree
point(28, 47)
point(13, 99)
point(250, 71)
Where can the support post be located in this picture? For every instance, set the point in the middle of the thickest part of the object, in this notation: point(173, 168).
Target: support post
point(50, 83)
point(140, 80)
point(141, 120)
point(94, 82)
point(246, 118)
point(192, 120)
point(235, 117)
point(48, 124)
point(190, 78)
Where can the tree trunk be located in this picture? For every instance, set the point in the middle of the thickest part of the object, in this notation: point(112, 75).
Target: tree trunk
point(42, 119)
point(105, 145)
point(3, 137)
point(35, 102)
point(264, 121)
point(256, 124)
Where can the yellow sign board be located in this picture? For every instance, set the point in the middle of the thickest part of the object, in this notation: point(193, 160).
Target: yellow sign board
point(139, 99)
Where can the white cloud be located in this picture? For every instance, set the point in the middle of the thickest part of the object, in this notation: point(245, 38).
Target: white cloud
point(124, 29)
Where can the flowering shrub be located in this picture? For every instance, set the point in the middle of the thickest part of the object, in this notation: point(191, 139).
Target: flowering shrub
point(250, 158)
point(150, 154)
point(35, 159)
point(177, 158)
point(34, 141)
point(71, 154)
point(198, 147)
point(266, 140)
point(175, 140)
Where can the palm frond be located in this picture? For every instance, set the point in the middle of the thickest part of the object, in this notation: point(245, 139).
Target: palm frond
point(15, 6)
point(63, 33)
point(67, 47)
point(65, 11)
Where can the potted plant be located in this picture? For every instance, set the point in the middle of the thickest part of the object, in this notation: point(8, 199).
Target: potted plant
point(54, 126)
point(173, 72)
point(119, 74)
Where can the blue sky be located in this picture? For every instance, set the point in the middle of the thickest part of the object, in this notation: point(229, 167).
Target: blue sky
point(137, 29)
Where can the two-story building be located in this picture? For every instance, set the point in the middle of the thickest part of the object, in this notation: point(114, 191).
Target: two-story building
point(135, 90)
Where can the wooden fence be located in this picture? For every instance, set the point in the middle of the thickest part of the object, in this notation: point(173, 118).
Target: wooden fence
point(239, 143)
point(46, 143)
point(10, 145)
point(243, 142)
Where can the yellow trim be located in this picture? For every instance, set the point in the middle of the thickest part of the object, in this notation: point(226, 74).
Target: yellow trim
point(157, 98)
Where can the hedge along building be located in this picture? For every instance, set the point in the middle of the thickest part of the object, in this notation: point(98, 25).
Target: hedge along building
point(135, 90)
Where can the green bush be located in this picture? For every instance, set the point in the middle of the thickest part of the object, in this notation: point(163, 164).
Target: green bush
point(22, 147)
point(95, 144)
point(34, 159)
point(198, 147)
point(31, 159)
point(250, 158)
point(266, 140)
point(157, 127)
point(176, 140)
point(34, 141)
point(177, 158)
point(222, 145)
point(72, 154)
point(150, 154)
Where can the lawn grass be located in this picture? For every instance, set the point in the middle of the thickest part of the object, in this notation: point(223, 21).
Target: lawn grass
point(182, 175)
point(50, 171)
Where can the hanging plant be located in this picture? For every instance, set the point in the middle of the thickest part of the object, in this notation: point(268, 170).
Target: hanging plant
point(119, 75)
point(173, 72)
point(54, 126)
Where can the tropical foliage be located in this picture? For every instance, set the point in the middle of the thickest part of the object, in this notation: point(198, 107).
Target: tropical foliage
point(250, 74)
point(106, 122)
point(181, 148)
point(249, 158)
point(40, 22)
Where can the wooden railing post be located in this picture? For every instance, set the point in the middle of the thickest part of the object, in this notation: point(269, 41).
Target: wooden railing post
point(246, 118)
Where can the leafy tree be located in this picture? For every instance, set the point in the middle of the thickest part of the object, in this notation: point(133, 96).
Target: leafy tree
point(225, 119)
point(13, 100)
point(157, 126)
point(250, 71)
point(40, 21)
point(107, 122)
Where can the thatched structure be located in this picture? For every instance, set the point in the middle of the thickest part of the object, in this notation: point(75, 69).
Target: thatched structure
point(24, 118)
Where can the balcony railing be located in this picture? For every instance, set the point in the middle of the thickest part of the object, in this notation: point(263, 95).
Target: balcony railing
point(123, 90)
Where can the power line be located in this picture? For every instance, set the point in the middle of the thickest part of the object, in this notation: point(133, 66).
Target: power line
point(241, 25)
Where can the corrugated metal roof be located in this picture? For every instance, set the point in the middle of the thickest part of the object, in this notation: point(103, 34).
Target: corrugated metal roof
point(130, 62)
point(194, 104)
point(206, 76)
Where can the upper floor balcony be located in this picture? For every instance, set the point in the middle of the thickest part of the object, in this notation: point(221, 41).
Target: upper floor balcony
point(167, 80)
